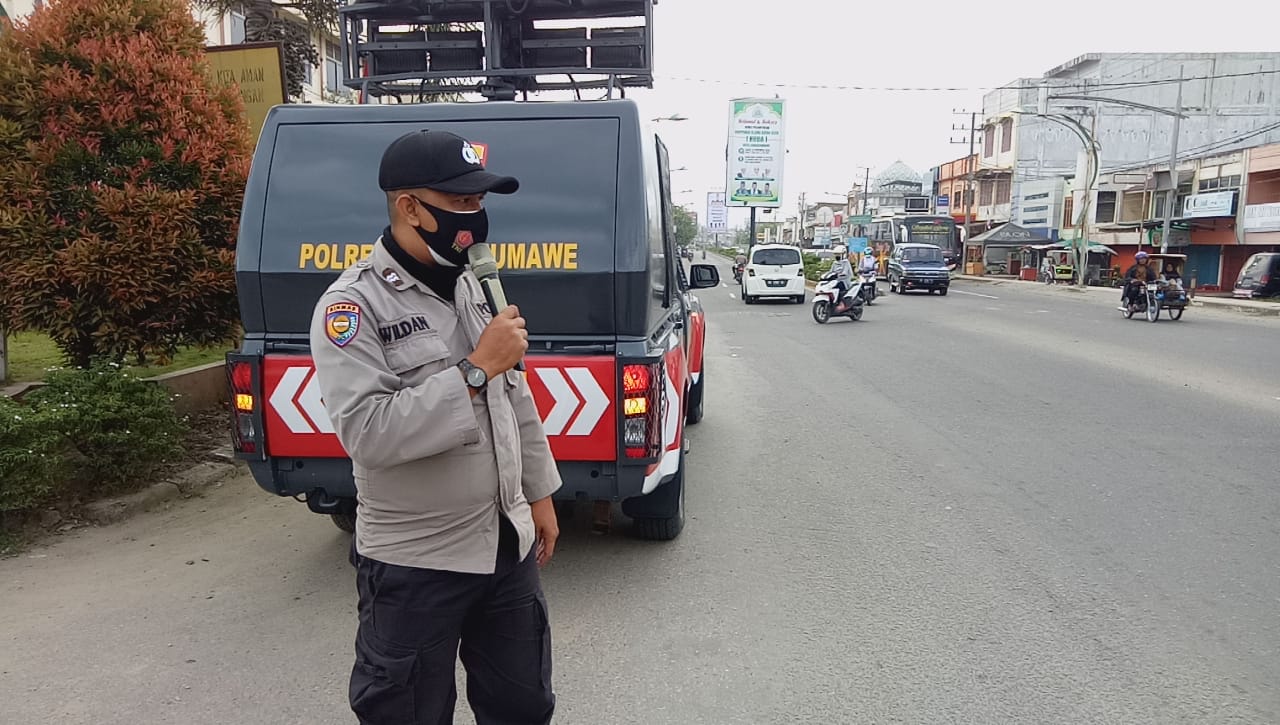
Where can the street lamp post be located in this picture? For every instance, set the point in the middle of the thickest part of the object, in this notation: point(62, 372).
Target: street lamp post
point(1177, 115)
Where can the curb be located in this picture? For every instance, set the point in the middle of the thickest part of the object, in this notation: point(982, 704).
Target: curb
point(184, 484)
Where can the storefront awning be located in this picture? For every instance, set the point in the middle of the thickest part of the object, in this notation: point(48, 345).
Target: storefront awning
point(1008, 235)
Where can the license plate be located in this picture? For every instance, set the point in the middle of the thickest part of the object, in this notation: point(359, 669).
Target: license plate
point(776, 282)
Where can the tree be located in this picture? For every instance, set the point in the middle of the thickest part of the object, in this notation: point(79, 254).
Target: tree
point(686, 227)
point(122, 169)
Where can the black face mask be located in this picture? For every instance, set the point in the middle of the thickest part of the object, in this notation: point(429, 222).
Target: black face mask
point(455, 232)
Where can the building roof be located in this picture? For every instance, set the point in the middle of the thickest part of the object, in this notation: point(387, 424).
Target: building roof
point(897, 171)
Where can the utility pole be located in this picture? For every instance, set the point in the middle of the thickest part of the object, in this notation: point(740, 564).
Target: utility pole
point(1173, 169)
point(971, 168)
point(751, 238)
point(4, 355)
point(866, 189)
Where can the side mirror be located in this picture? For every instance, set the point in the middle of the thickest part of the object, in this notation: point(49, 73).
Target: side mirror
point(703, 276)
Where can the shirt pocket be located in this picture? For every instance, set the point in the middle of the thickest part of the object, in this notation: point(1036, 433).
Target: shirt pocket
point(417, 356)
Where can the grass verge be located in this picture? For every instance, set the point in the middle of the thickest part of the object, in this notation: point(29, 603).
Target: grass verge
point(31, 354)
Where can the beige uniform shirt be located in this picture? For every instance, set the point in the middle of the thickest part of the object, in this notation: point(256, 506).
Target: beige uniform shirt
point(433, 466)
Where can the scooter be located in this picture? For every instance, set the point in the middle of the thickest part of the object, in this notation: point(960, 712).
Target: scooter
point(825, 305)
point(868, 285)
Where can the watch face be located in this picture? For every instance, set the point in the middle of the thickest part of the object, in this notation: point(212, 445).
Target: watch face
point(476, 377)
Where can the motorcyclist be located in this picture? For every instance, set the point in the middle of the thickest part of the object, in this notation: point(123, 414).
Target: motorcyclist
point(868, 263)
point(739, 264)
point(844, 275)
point(1140, 273)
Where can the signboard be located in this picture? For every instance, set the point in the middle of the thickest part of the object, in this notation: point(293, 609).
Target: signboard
point(717, 212)
point(942, 204)
point(257, 69)
point(860, 219)
point(1262, 218)
point(756, 150)
point(1213, 204)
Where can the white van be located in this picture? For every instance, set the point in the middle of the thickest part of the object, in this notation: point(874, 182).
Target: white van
point(773, 270)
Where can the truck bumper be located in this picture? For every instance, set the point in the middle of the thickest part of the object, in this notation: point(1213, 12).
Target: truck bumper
point(594, 481)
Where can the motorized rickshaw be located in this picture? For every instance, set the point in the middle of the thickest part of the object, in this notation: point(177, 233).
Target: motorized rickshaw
point(1166, 293)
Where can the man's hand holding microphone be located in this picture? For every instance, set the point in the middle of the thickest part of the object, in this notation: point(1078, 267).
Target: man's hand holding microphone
point(502, 344)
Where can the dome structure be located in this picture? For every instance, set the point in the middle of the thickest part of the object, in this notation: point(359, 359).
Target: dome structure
point(896, 173)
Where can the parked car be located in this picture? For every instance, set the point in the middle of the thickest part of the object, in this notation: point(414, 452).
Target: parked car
point(773, 270)
point(1260, 276)
point(918, 267)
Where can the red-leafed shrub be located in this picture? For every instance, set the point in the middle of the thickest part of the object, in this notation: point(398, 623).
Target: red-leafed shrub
point(122, 169)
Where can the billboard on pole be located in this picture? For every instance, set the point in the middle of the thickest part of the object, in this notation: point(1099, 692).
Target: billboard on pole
point(717, 212)
point(756, 151)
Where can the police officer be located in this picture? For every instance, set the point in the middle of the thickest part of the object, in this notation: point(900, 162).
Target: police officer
point(452, 467)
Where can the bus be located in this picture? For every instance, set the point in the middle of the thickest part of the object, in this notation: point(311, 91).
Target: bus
point(884, 232)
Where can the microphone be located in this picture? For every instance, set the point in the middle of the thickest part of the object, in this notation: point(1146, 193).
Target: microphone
point(485, 268)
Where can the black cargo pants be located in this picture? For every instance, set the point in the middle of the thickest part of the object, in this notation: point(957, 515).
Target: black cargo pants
point(411, 624)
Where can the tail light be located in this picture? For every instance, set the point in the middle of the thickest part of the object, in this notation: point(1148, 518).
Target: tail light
point(800, 272)
point(642, 410)
point(244, 403)
point(751, 272)
point(1265, 278)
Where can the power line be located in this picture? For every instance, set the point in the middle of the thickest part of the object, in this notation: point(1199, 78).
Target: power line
point(1025, 85)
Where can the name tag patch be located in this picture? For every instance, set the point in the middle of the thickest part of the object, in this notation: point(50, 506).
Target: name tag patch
point(402, 329)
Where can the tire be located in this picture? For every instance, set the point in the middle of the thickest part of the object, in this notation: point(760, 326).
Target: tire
point(1127, 312)
point(1175, 313)
point(856, 313)
point(821, 311)
point(1153, 311)
point(693, 413)
point(942, 291)
point(659, 516)
point(893, 287)
point(346, 522)
point(799, 299)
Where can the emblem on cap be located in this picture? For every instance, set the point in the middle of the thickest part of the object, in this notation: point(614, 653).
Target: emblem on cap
point(341, 322)
point(471, 154)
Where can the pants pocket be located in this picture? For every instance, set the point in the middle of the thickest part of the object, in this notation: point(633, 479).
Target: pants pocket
point(382, 683)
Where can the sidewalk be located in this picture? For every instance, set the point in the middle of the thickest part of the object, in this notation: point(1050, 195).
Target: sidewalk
point(1229, 304)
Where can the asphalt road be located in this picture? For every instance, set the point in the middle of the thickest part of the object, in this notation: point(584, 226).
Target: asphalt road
point(1003, 506)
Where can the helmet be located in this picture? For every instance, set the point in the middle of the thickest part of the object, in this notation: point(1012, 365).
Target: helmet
point(868, 250)
point(839, 249)
point(1140, 255)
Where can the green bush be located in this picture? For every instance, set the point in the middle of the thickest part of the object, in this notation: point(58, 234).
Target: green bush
point(119, 428)
point(815, 267)
point(33, 466)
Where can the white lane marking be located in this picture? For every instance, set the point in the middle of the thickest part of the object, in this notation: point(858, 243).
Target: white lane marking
point(975, 294)
point(732, 296)
point(725, 285)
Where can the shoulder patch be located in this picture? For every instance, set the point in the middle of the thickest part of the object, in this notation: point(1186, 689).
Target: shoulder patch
point(341, 322)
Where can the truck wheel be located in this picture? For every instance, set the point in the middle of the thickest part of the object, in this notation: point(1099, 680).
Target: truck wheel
point(660, 515)
point(693, 413)
point(346, 522)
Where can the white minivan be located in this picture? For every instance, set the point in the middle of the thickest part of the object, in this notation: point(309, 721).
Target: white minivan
point(773, 270)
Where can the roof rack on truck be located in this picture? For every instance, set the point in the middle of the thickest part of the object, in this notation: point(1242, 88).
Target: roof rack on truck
point(497, 48)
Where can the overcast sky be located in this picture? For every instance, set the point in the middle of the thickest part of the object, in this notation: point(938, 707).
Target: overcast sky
point(708, 51)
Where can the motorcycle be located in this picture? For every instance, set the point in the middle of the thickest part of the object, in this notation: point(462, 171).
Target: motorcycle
point(1146, 300)
point(825, 305)
point(868, 285)
point(737, 272)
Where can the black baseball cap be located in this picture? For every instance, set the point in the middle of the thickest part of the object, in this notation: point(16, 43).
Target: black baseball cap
point(440, 161)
